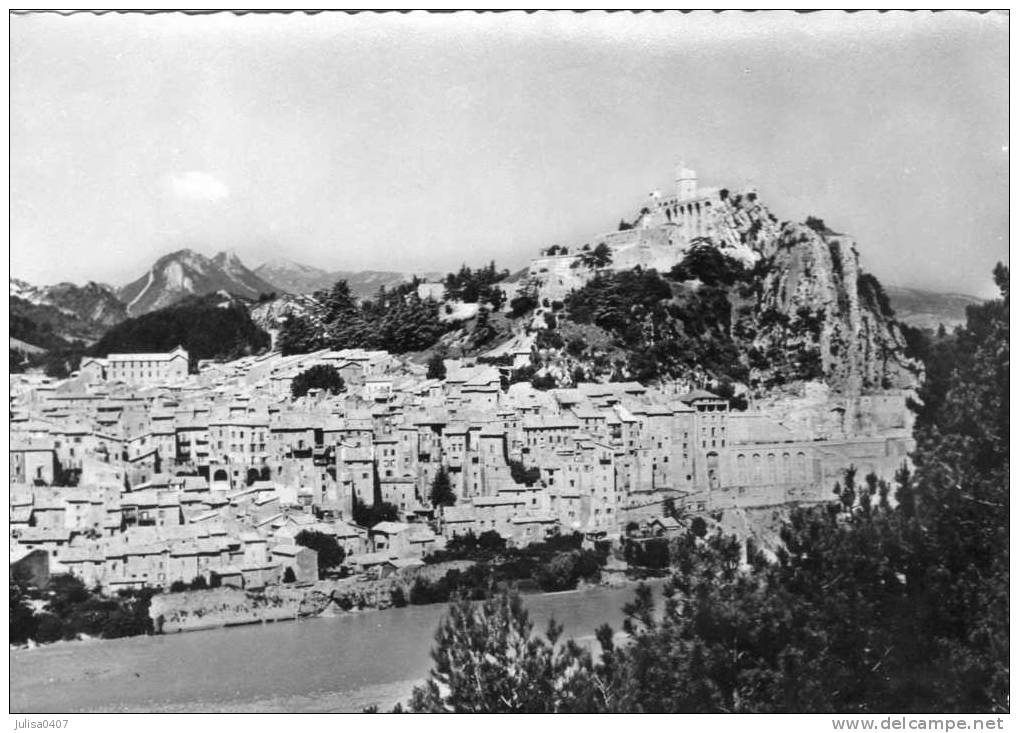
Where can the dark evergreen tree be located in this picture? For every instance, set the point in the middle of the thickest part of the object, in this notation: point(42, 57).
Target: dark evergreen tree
point(298, 336)
point(436, 367)
point(442, 491)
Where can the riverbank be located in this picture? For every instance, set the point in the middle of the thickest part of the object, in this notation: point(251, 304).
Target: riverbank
point(222, 608)
point(322, 664)
point(470, 567)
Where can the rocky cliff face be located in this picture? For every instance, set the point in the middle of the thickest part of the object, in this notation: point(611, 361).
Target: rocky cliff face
point(810, 295)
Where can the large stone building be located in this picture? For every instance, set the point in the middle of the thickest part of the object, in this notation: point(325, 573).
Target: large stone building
point(153, 368)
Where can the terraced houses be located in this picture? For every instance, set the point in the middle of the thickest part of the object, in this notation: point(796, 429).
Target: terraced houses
point(129, 482)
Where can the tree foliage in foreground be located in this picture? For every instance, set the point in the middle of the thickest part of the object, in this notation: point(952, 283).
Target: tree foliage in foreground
point(70, 610)
point(870, 606)
point(488, 661)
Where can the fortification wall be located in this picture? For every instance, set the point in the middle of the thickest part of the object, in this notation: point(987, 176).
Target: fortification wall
point(694, 215)
point(658, 247)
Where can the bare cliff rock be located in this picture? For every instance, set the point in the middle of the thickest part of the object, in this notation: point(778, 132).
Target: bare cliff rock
point(812, 296)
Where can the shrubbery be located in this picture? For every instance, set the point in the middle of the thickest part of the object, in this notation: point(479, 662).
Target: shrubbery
point(321, 376)
point(708, 264)
point(330, 554)
point(71, 609)
point(556, 564)
point(522, 305)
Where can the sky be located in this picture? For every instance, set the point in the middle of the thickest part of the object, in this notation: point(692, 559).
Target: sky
point(419, 142)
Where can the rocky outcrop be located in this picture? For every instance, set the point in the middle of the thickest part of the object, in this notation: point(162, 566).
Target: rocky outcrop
point(812, 297)
point(270, 315)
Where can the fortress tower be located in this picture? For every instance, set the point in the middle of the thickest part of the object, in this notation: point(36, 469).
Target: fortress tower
point(686, 182)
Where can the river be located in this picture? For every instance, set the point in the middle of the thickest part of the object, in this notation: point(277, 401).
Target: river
point(335, 664)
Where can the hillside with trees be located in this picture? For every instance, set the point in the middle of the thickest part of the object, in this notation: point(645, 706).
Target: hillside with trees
point(396, 320)
point(209, 327)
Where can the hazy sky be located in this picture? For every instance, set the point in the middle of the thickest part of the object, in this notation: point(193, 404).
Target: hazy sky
point(420, 142)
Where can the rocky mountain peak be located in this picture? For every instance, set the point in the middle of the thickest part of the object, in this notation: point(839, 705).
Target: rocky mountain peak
point(186, 272)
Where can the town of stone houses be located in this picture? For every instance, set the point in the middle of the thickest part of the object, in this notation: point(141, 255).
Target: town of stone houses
point(140, 472)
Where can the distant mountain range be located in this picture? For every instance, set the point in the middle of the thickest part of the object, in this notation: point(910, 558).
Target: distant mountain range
point(52, 316)
point(292, 277)
point(92, 301)
point(927, 309)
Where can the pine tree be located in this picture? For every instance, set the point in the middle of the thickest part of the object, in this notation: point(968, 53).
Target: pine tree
point(488, 661)
point(297, 336)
